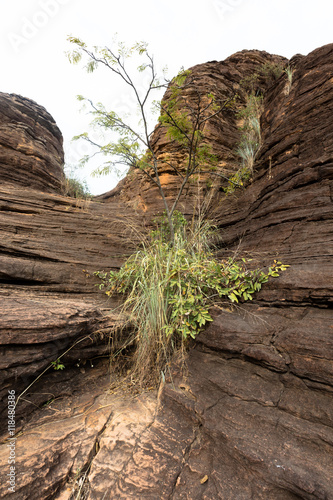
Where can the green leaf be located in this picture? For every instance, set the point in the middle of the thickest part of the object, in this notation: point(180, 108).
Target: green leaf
point(233, 297)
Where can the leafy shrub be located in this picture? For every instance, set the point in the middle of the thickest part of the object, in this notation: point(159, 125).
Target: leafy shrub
point(239, 179)
point(169, 289)
point(272, 70)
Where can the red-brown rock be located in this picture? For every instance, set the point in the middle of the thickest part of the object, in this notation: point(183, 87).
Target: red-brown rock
point(31, 153)
point(252, 418)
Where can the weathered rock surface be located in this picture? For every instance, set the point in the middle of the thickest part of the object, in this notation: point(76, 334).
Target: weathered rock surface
point(49, 248)
point(59, 443)
point(222, 134)
point(31, 153)
point(49, 299)
point(252, 418)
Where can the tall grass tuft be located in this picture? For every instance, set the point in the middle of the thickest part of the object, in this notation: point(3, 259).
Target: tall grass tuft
point(251, 134)
point(156, 303)
point(169, 288)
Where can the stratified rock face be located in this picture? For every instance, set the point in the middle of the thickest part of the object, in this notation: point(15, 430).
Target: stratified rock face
point(50, 246)
point(253, 417)
point(223, 79)
point(31, 153)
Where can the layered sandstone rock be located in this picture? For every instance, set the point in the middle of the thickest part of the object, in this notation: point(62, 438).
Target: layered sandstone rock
point(50, 247)
point(252, 418)
point(31, 153)
point(225, 80)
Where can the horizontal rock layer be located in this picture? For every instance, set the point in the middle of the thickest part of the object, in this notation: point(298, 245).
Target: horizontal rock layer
point(50, 247)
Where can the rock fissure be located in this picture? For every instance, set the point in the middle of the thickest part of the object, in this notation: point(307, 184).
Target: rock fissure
point(185, 459)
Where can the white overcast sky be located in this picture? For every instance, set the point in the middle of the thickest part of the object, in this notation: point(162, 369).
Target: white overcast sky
point(179, 33)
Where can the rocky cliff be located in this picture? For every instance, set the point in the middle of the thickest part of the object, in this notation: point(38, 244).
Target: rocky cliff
point(252, 418)
point(31, 153)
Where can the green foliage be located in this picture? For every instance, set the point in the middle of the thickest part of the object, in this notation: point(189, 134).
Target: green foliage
point(163, 229)
point(128, 142)
point(289, 72)
point(252, 109)
point(169, 288)
point(57, 365)
point(272, 70)
point(250, 116)
point(239, 179)
point(75, 188)
point(250, 141)
point(269, 71)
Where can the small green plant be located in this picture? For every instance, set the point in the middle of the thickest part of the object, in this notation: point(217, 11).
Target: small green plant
point(268, 72)
point(239, 179)
point(73, 186)
point(289, 72)
point(250, 141)
point(169, 289)
point(57, 365)
point(76, 189)
point(272, 70)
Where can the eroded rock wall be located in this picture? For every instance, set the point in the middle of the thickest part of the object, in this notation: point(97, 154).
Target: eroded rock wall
point(31, 152)
point(50, 246)
point(252, 418)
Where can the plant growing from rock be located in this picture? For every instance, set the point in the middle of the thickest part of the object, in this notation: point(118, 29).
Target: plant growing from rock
point(171, 282)
point(250, 140)
point(183, 119)
point(251, 136)
point(76, 189)
point(73, 186)
point(250, 117)
point(269, 71)
point(289, 72)
point(169, 289)
point(58, 365)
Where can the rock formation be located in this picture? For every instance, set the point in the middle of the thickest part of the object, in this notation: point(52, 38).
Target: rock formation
point(31, 153)
point(252, 418)
point(48, 250)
